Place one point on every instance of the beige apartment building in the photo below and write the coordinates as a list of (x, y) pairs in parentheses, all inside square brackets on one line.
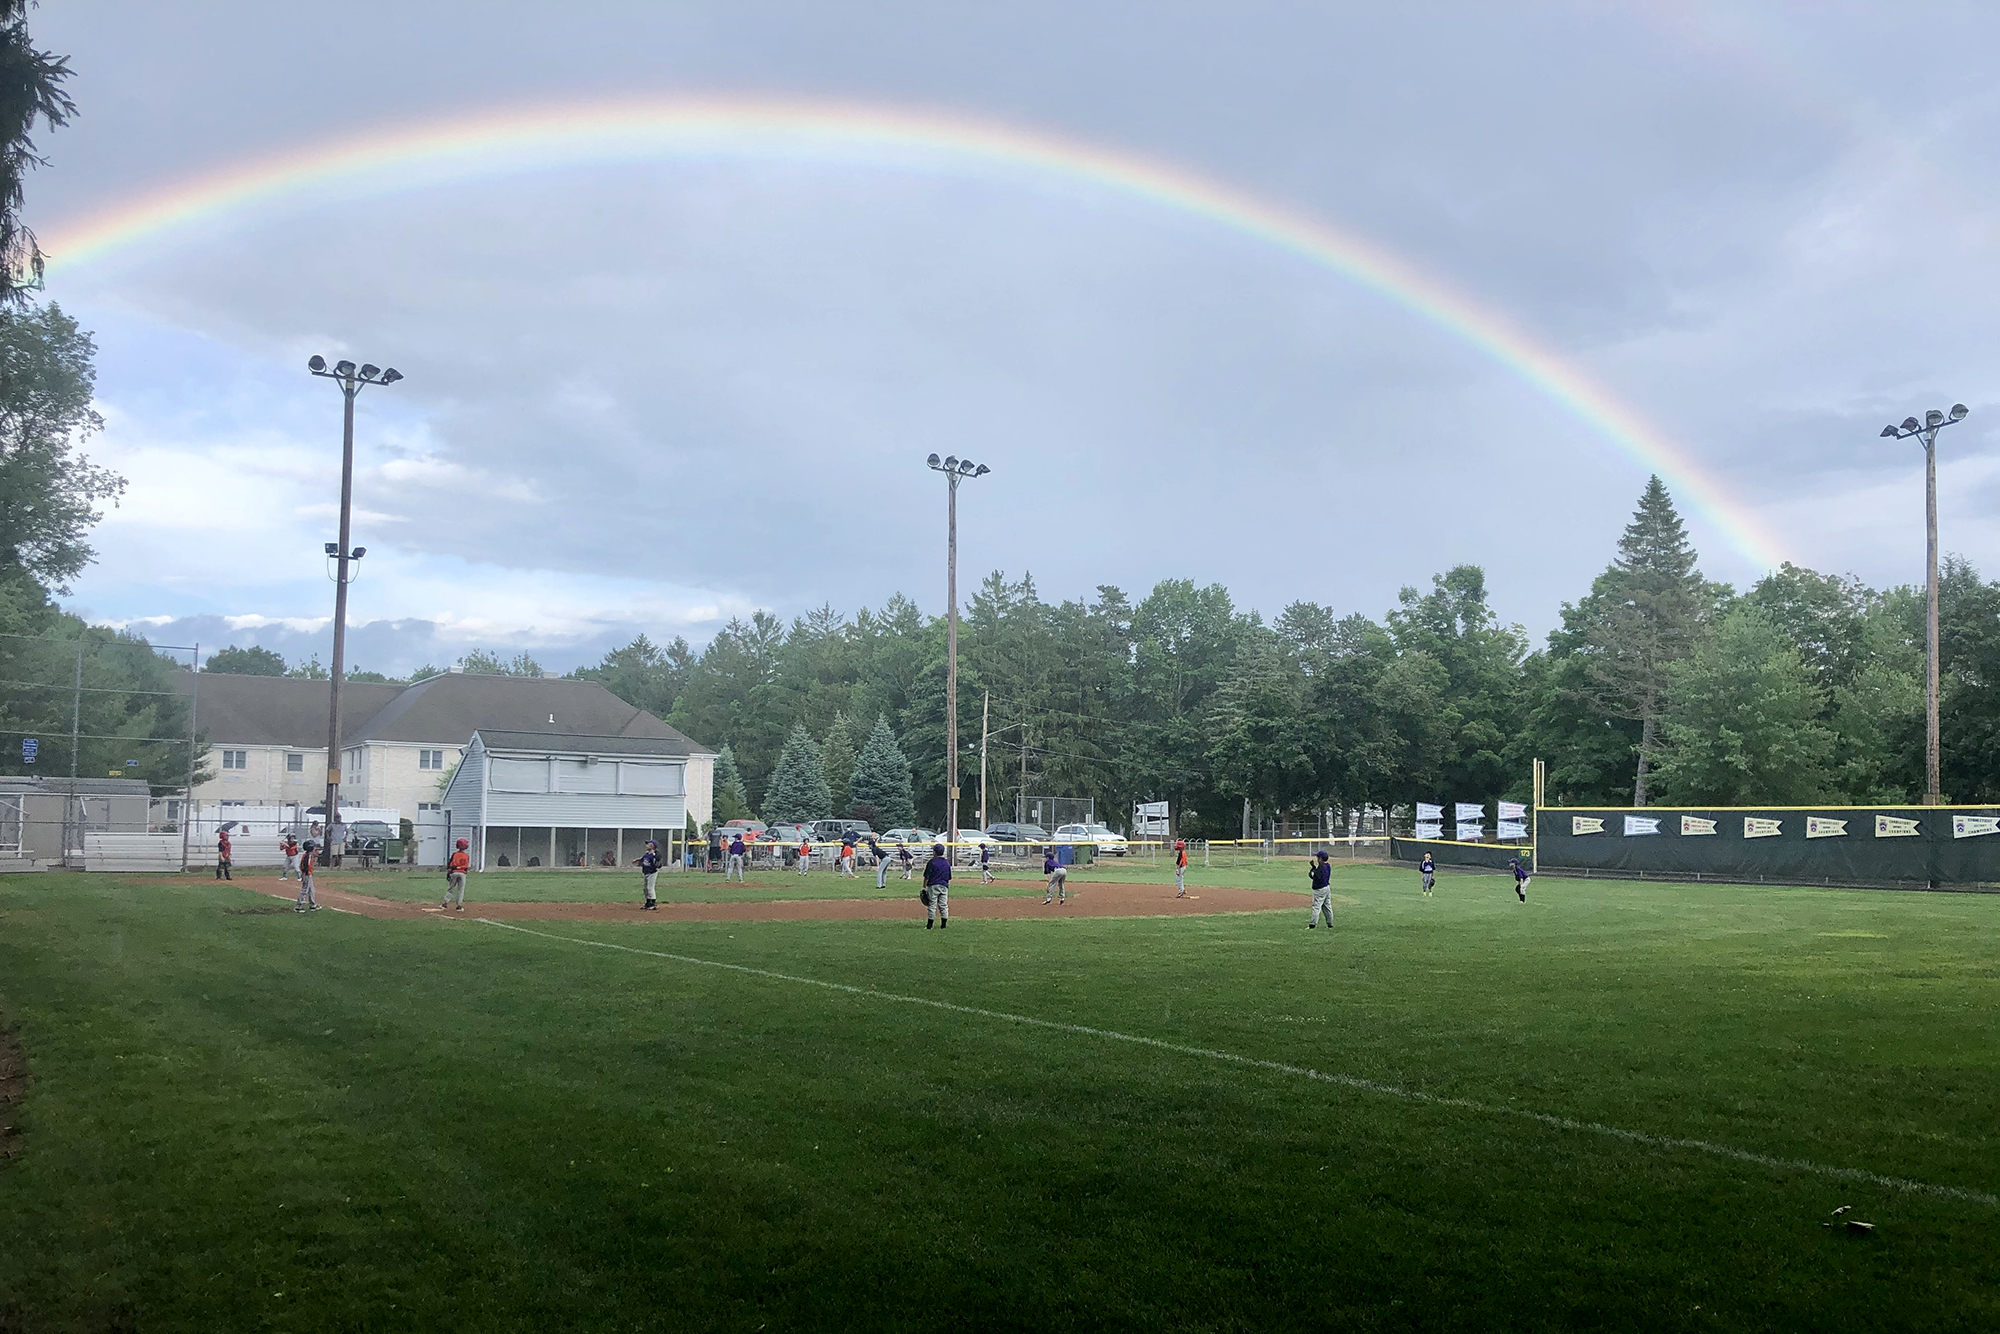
[(401, 744)]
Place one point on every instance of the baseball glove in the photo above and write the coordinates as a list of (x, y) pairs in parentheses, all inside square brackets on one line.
[(924, 896)]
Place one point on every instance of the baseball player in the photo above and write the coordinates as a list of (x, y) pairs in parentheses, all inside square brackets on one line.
[(309, 854), (1519, 865), (222, 855), (290, 847), (805, 855), (903, 852), (847, 855), (648, 863), (735, 871), (1322, 879), (1058, 875), (881, 863), (937, 888), (1429, 868), (985, 863), (454, 874), (1180, 868)]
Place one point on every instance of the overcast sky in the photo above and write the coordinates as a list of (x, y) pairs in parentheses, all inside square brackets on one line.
[(653, 393)]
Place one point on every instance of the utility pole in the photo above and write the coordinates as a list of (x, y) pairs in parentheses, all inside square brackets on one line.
[(954, 469), (76, 712), (1926, 434), (985, 731), (350, 379)]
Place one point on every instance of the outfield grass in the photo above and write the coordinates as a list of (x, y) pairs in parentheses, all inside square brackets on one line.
[(240, 1118)]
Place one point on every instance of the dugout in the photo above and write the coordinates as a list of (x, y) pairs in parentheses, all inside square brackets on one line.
[(541, 799), (1906, 846)]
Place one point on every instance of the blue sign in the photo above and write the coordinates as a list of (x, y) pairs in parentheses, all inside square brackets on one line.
[(29, 746), (131, 764)]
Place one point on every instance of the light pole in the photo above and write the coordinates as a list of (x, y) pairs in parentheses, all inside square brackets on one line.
[(350, 378), (954, 470), (1926, 433)]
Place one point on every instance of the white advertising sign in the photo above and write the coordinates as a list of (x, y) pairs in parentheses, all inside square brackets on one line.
[(1641, 824), (1430, 831), (1895, 826), (1586, 824), (1756, 828), (1818, 826), (1470, 812), (1694, 824), (1512, 829), (1426, 811), (1973, 826), (1471, 833), (1513, 810)]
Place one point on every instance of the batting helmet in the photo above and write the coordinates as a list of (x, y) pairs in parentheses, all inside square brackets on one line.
[(464, 843)]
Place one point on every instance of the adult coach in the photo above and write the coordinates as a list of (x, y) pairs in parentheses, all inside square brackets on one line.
[(1519, 866), (1429, 867), (1180, 868), (937, 888), (1322, 881), (648, 863), (454, 874)]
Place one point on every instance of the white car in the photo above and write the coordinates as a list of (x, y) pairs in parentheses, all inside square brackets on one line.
[(973, 838), (1108, 843), (910, 836)]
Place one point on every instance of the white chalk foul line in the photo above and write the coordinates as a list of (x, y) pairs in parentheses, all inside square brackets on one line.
[(1304, 1072)]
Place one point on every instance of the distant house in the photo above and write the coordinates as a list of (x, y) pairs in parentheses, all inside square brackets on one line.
[(399, 744), (545, 798)]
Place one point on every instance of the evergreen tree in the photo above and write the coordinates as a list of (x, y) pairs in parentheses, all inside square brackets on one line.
[(1645, 613), (1259, 734), (837, 759), (797, 791), (643, 674), (879, 787), (731, 801), (1742, 726)]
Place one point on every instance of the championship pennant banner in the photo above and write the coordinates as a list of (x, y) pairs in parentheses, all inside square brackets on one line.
[(1429, 814)]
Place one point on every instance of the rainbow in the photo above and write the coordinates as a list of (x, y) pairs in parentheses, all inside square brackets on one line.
[(492, 144)]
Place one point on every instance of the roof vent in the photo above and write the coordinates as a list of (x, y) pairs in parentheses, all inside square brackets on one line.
[(455, 670), (552, 717)]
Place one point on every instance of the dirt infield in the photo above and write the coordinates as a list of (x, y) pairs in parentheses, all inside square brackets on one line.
[(1091, 901)]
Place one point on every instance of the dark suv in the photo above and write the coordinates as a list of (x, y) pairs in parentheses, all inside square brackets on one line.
[(832, 831), (1018, 833)]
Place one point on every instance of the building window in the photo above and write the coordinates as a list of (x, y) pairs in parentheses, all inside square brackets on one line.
[(430, 805), (430, 759), (236, 759), (295, 764)]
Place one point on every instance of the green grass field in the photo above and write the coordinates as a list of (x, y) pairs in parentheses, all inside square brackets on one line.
[(237, 1117)]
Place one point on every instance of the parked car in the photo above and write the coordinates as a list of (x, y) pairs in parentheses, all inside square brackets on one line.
[(1018, 833), (833, 831), (1108, 843), (752, 830), (366, 837), (910, 836), (788, 834), (972, 838)]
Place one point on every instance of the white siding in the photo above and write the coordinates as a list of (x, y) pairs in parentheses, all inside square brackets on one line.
[(585, 810), (519, 776)]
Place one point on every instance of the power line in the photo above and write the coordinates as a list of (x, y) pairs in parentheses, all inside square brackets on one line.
[(100, 690)]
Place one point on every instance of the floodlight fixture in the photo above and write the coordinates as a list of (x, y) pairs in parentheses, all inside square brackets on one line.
[(1925, 433), (316, 363), (369, 372), (333, 548), (344, 367), (981, 470), (951, 463), (391, 375), (359, 552), (932, 460)]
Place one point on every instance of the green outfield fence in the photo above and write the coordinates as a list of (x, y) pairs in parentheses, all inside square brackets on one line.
[(1448, 852), (1902, 846)]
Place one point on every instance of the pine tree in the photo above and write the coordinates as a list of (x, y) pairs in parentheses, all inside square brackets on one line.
[(731, 801), (879, 788), (1647, 612), (837, 758), (797, 792)]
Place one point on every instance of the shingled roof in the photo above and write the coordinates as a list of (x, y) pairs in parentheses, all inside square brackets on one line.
[(441, 711)]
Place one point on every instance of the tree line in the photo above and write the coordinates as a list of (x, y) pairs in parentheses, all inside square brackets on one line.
[(1659, 686)]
